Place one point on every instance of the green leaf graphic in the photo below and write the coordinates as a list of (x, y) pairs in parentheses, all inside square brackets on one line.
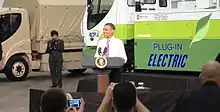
[(202, 29)]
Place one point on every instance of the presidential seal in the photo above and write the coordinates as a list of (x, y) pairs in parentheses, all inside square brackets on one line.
[(101, 62)]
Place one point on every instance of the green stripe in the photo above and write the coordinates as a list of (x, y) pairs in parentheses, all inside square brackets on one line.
[(174, 29), (123, 31)]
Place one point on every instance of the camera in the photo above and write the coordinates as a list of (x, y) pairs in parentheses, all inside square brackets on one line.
[(74, 103)]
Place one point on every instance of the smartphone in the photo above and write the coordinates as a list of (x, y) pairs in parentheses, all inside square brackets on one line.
[(74, 103)]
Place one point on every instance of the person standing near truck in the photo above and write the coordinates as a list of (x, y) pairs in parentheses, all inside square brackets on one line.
[(114, 48), (55, 47)]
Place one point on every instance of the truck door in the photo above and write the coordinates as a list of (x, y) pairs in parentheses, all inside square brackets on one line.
[(148, 16), (99, 13)]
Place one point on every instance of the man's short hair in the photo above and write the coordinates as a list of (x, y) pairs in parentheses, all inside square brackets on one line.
[(54, 32), (124, 96), (53, 100), (111, 25), (210, 72)]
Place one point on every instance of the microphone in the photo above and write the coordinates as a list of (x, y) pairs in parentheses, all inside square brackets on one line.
[(105, 50), (100, 51)]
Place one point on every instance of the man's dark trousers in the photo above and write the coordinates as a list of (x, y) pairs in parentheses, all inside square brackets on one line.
[(1, 51), (55, 72), (56, 61)]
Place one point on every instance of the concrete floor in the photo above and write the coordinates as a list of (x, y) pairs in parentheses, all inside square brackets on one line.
[(14, 96)]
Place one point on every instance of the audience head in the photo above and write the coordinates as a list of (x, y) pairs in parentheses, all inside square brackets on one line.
[(210, 72), (54, 100), (108, 30), (124, 96)]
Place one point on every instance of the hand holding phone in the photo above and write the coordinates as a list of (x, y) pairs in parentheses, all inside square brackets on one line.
[(74, 103)]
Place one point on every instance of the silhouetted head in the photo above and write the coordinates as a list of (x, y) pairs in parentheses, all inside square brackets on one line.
[(54, 100), (124, 97), (210, 72)]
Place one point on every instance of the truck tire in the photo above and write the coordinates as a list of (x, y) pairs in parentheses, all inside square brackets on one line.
[(16, 69), (78, 71)]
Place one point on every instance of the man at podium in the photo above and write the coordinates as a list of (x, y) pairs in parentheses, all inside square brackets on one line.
[(111, 46)]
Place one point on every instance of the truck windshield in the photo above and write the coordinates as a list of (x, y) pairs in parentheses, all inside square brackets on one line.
[(9, 24), (97, 10)]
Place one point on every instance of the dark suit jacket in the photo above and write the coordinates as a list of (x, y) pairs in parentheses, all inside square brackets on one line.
[(1, 51), (205, 99), (55, 54)]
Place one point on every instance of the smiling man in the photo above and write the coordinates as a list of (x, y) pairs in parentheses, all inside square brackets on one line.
[(114, 48)]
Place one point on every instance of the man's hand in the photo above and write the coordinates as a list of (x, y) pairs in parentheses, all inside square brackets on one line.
[(80, 109), (109, 93), (132, 82), (106, 102)]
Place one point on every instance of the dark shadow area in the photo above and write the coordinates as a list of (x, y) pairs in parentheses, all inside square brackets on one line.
[(169, 73), (155, 82), (163, 75)]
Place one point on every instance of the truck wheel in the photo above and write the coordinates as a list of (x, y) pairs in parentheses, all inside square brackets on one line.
[(77, 70), (16, 69)]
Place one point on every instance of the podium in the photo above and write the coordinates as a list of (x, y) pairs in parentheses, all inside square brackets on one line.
[(102, 67)]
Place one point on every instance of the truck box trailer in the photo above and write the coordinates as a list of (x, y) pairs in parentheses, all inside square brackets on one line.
[(25, 31)]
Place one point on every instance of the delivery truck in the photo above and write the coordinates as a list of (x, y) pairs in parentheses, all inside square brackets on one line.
[(170, 35), (25, 30)]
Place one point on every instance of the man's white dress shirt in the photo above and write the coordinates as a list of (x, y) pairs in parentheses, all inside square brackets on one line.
[(116, 48)]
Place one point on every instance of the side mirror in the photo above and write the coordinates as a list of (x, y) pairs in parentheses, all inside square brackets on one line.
[(137, 6), (90, 9)]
